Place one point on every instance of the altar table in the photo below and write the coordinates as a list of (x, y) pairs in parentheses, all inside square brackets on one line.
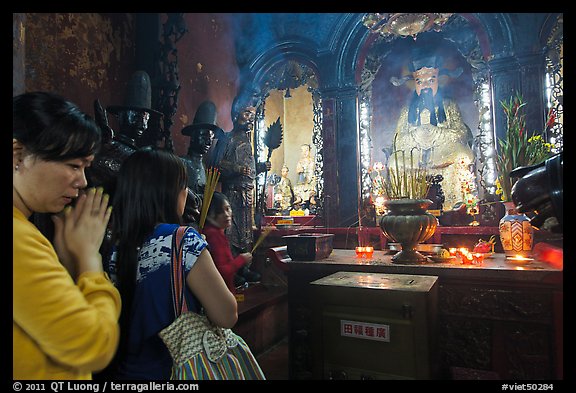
[(500, 317)]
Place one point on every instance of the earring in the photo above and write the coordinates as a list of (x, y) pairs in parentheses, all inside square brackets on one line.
[(17, 166)]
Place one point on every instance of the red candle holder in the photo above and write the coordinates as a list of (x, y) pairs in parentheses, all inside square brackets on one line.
[(478, 258), (467, 258), (369, 251), (364, 252)]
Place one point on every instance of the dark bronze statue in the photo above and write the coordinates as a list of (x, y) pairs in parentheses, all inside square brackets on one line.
[(201, 133), (238, 171), (133, 118)]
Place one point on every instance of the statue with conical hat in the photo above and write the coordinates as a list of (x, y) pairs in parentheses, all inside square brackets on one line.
[(201, 133), (133, 120)]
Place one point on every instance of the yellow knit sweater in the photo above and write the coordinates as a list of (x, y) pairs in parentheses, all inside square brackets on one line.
[(61, 329)]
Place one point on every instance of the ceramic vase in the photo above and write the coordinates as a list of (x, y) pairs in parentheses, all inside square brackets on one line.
[(516, 232), (407, 222)]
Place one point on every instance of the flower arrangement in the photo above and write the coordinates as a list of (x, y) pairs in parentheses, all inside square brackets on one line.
[(518, 149)]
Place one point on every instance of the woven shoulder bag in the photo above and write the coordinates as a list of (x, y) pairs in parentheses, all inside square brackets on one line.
[(200, 349)]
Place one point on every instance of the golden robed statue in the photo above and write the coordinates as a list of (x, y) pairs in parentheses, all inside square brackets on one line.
[(431, 127)]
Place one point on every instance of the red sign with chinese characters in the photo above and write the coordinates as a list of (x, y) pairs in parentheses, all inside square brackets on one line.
[(365, 330)]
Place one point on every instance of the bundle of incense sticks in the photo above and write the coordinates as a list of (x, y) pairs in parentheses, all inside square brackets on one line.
[(261, 238), (212, 176)]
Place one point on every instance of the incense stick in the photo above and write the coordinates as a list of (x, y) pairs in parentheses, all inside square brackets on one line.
[(261, 238), (212, 177)]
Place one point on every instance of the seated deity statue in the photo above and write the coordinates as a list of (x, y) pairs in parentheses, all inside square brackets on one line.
[(306, 182), (285, 190), (431, 133)]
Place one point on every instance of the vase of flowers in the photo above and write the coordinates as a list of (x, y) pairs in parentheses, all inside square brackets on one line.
[(407, 221), (517, 149)]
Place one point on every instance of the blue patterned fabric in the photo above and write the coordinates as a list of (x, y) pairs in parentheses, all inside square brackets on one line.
[(147, 356)]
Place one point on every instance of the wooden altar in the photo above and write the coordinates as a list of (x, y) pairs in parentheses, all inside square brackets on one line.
[(350, 237), (499, 318)]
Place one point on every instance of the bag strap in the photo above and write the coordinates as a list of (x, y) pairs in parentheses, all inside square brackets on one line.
[(177, 279)]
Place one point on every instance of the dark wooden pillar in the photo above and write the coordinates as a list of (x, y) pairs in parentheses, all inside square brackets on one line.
[(525, 74), (505, 82), (330, 163), (533, 74), (340, 132)]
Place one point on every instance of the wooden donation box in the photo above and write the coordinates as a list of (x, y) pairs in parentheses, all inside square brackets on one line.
[(374, 326)]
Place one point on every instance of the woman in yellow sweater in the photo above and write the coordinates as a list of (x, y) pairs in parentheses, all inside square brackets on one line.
[(65, 309)]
